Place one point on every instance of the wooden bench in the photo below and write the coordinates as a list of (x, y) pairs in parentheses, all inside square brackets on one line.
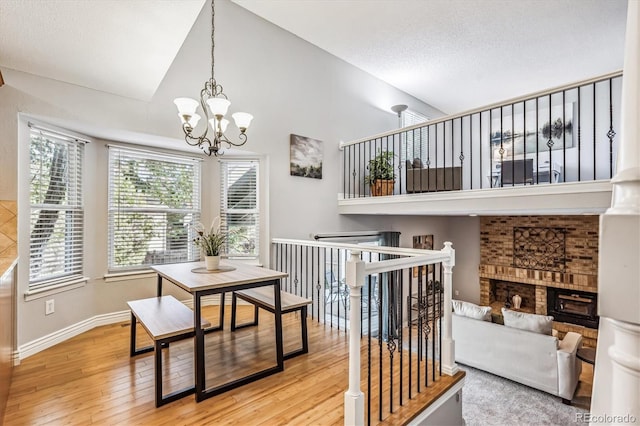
[(262, 297), (166, 320)]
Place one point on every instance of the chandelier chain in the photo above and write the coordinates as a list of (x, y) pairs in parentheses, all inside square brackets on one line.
[(213, 43)]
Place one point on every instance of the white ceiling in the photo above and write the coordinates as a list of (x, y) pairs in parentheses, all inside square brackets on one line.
[(461, 54), (121, 47), (452, 54)]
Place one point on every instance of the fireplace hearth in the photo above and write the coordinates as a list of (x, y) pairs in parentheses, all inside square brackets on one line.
[(572, 306)]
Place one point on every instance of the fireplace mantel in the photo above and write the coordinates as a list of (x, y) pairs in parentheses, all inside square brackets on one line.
[(571, 281)]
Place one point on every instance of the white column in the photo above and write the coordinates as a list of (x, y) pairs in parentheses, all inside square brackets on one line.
[(616, 384), (354, 397), (448, 360), (625, 355)]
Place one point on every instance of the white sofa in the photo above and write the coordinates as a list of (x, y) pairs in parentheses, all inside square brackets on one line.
[(533, 359)]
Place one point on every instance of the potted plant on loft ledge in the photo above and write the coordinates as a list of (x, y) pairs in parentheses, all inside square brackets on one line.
[(381, 178), (210, 243)]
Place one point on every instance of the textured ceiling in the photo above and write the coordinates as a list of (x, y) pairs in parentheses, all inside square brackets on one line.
[(453, 54), (120, 47), (461, 54)]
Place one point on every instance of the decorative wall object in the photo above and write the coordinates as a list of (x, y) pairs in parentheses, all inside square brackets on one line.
[(423, 242), (543, 131), (539, 248), (306, 157)]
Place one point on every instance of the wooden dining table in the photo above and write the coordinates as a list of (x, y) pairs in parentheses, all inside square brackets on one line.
[(193, 278)]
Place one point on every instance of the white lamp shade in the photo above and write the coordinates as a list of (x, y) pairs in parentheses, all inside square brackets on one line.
[(186, 106), (223, 124), (218, 106), (193, 121), (242, 119)]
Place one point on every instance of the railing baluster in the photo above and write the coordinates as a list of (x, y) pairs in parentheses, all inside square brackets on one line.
[(611, 133), (594, 131), (480, 154), (564, 141), (579, 132), (537, 143), (513, 144)]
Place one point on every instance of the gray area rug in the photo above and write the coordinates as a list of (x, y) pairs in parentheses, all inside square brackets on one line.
[(491, 400)]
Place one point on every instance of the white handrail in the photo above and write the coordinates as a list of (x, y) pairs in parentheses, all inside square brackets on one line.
[(425, 257)]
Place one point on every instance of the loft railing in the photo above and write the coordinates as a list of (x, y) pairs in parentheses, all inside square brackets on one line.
[(391, 300), (566, 134)]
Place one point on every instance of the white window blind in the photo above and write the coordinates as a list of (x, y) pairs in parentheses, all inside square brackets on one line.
[(239, 207), (154, 201), (416, 142), (57, 208)]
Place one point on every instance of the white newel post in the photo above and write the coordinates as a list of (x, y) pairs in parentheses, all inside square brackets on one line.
[(353, 397), (616, 383), (448, 345)]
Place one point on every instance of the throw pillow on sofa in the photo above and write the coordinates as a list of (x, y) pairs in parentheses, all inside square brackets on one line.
[(471, 310), (531, 322)]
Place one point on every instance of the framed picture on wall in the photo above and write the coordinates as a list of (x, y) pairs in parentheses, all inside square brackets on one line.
[(423, 242), (306, 157), (542, 131)]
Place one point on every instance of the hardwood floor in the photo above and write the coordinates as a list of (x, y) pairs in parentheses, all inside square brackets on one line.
[(91, 379)]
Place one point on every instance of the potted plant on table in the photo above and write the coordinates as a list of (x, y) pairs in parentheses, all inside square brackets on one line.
[(381, 177), (210, 243)]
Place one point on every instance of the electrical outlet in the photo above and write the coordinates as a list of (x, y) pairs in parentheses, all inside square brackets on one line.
[(49, 307), (457, 293)]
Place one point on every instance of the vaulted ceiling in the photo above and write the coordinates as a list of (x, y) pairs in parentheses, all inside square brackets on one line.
[(452, 54), (120, 47)]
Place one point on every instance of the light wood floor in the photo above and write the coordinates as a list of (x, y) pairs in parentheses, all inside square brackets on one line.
[(91, 379)]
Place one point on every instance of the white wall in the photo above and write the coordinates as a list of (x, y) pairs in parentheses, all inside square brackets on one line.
[(289, 85), (462, 231)]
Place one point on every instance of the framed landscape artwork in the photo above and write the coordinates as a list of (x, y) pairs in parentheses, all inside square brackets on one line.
[(539, 135), (423, 242), (306, 157)]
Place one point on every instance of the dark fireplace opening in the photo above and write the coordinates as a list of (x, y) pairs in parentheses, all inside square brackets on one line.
[(573, 306)]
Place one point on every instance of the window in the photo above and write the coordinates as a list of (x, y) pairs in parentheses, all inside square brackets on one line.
[(416, 140), (239, 211), (154, 199), (57, 209)]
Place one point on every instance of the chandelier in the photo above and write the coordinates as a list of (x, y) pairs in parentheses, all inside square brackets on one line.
[(212, 96)]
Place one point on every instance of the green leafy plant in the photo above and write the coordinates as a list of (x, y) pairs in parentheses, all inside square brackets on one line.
[(380, 167), (212, 241)]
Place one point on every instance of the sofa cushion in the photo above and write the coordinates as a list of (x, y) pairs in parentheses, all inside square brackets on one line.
[(417, 163), (471, 310), (531, 322)]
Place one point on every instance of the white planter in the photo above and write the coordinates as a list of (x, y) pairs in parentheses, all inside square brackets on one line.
[(212, 262)]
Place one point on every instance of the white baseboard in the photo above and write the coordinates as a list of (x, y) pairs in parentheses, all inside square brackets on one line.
[(15, 358), (52, 339)]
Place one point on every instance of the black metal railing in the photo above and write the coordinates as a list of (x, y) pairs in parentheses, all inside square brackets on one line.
[(566, 134), (400, 315)]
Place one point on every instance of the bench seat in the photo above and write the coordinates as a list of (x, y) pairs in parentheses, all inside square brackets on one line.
[(166, 320), (262, 297)]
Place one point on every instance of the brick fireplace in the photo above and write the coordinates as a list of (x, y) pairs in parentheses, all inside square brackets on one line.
[(526, 255)]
